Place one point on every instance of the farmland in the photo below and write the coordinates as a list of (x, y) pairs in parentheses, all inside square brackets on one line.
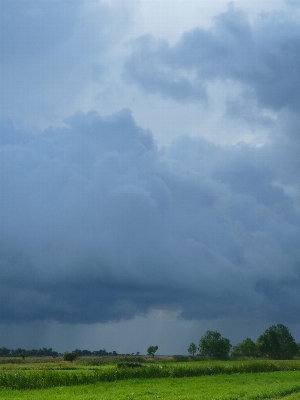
[(146, 378)]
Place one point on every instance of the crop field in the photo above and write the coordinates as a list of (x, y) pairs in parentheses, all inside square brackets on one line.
[(89, 379)]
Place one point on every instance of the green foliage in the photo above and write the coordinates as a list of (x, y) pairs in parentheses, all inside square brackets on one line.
[(36, 378), (247, 348), (152, 350), (277, 343), (192, 349), (237, 386), (4, 352), (213, 345), (70, 356), (298, 350)]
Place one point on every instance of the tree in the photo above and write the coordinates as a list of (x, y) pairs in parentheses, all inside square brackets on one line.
[(212, 344), (152, 350), (192, 349), (4, 352), (277, 343), (246, 348)]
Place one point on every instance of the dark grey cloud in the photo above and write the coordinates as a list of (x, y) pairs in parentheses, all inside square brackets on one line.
[(98, 224), (262, 56)]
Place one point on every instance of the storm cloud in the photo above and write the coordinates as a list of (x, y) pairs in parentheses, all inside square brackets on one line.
[(100, 225)]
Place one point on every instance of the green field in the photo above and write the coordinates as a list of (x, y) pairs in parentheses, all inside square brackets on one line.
[(211, 380)]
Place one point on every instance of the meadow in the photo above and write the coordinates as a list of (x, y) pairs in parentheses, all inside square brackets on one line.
[(144, 378)]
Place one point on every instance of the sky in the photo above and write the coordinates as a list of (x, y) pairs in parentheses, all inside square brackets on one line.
[(149, 172)]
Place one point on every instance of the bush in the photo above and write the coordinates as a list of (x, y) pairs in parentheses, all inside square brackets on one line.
[(70, 356)]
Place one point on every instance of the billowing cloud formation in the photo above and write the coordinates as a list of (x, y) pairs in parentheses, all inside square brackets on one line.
[(262, 56), (97, 224)]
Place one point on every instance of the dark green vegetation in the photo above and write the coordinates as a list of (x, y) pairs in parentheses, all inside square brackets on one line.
[(275, 343), (247, 348), (192, 349), (213, 345), (152, 350), (70, 356), (44, 352)]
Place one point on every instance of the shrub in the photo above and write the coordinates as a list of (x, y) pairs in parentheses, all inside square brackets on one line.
[(70, 356)]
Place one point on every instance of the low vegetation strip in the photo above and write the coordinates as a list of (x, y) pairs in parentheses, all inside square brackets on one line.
[(51, 378), (248, 386)]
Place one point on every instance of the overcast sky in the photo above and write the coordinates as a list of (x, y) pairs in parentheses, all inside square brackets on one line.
[(150, 168)]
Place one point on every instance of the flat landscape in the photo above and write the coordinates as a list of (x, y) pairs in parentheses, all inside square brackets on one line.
[(145, 378)]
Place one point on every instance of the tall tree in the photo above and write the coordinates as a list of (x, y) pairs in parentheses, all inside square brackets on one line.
[(277, 343), (212, 344)]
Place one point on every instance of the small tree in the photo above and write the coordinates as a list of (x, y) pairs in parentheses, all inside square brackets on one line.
[(152, 350), (212, 344), (246, 348), (277, 343), (192, 349)]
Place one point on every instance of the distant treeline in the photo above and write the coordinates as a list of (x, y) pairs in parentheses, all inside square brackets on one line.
[(44, 352), (4, 352)]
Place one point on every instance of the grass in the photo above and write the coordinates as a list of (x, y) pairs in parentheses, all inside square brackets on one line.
[(37, 376), (89, 379), (249, 386)]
